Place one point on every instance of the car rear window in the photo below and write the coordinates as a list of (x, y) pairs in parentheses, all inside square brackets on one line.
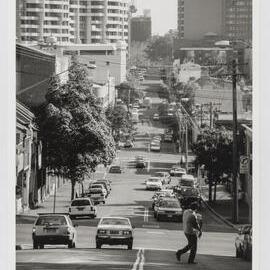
[(96, 186), (51, 220), (113, 221), (188, 183), (170, 204), (80, 202), (153, 180), (95, 191)]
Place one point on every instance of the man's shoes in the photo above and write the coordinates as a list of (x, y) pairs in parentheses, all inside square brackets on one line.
[(192, 263), (178, 255)]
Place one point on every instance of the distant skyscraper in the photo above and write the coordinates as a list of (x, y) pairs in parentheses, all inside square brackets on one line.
[(198, 17), (72, 21), (230, 19), (237, 19), (141, 27)]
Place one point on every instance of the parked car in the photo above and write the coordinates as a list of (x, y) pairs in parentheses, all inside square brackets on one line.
[(168, 138), (140, 162), (53, 229), (115, 169), (106, 181), (155, 146), (169, 208), (156, 117), (187, 181), (96, 195), (103, 184), (80, 207), (164, 176), (243, 242), (94, 185), (128, 144), (176, 170), (153, 183), (114, 231)]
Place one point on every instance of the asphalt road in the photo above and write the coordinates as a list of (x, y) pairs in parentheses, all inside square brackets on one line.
[(154, 242)]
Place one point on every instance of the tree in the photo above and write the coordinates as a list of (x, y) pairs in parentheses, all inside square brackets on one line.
[(74, 128), (187, 91), (127, 92), (213, 149), (159, 48), (119, 121)]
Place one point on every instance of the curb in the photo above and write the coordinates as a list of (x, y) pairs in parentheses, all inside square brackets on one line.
[(224, 220)]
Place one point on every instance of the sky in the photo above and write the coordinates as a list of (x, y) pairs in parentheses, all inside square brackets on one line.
[(163, 13)]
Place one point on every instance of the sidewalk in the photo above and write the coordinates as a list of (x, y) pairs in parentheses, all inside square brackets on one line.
[(62, 199), (223, 206)]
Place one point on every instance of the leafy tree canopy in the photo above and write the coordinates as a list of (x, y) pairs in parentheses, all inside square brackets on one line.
[(214, 149), (74, 127), (159, 48)]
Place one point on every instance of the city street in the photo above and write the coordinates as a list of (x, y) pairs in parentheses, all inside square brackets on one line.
[(155, 242)]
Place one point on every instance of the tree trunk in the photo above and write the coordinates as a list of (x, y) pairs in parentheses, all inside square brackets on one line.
[(215, 191), (210, 187), (73, 189)]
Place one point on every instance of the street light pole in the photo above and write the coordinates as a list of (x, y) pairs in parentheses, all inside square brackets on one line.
[(235, 159)]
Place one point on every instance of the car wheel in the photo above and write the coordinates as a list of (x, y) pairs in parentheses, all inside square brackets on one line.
[(70, 244), (74, 245), (35, 245), (98, 245), (130, 245), (103, 202)]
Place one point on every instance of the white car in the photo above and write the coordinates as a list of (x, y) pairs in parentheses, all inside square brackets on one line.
[(114, 231), (53, 229), (101, 186), (156, 116), (82, 207), (155, 146), (168, 138), (188, 180), (177, 171), (153, 183), (96, 195), (164, 177)]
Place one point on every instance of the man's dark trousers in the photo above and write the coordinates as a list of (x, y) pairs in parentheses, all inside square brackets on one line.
[(192, 246)]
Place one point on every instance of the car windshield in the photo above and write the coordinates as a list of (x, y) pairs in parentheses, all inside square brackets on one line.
[(80, 203), (169, 204), (96, 186), (153, 180), (159, 174), (187, 183), (95, 191), (51, 220), (114, 221)]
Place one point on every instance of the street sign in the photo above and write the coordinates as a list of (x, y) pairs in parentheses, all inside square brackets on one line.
[(243, 164)]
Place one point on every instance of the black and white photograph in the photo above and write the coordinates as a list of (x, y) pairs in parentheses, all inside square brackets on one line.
[(133, 135)]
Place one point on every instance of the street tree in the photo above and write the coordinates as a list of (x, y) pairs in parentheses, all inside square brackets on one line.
[(119, 121), (128, 92), (159, 48), (213, 149), (74, 128)]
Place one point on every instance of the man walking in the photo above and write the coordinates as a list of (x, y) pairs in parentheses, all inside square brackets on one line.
[(191, 229)]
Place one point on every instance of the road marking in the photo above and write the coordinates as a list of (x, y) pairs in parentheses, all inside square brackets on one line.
[(134, 267), (142, 260), (145, 215)]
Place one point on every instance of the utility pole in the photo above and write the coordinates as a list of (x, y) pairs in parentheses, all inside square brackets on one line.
[(186, 146), (201, 114), (211, 115), (235, 159)]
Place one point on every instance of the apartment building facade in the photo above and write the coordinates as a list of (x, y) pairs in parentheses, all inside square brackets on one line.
[(72, 21), (141, 28), (229, 19)]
